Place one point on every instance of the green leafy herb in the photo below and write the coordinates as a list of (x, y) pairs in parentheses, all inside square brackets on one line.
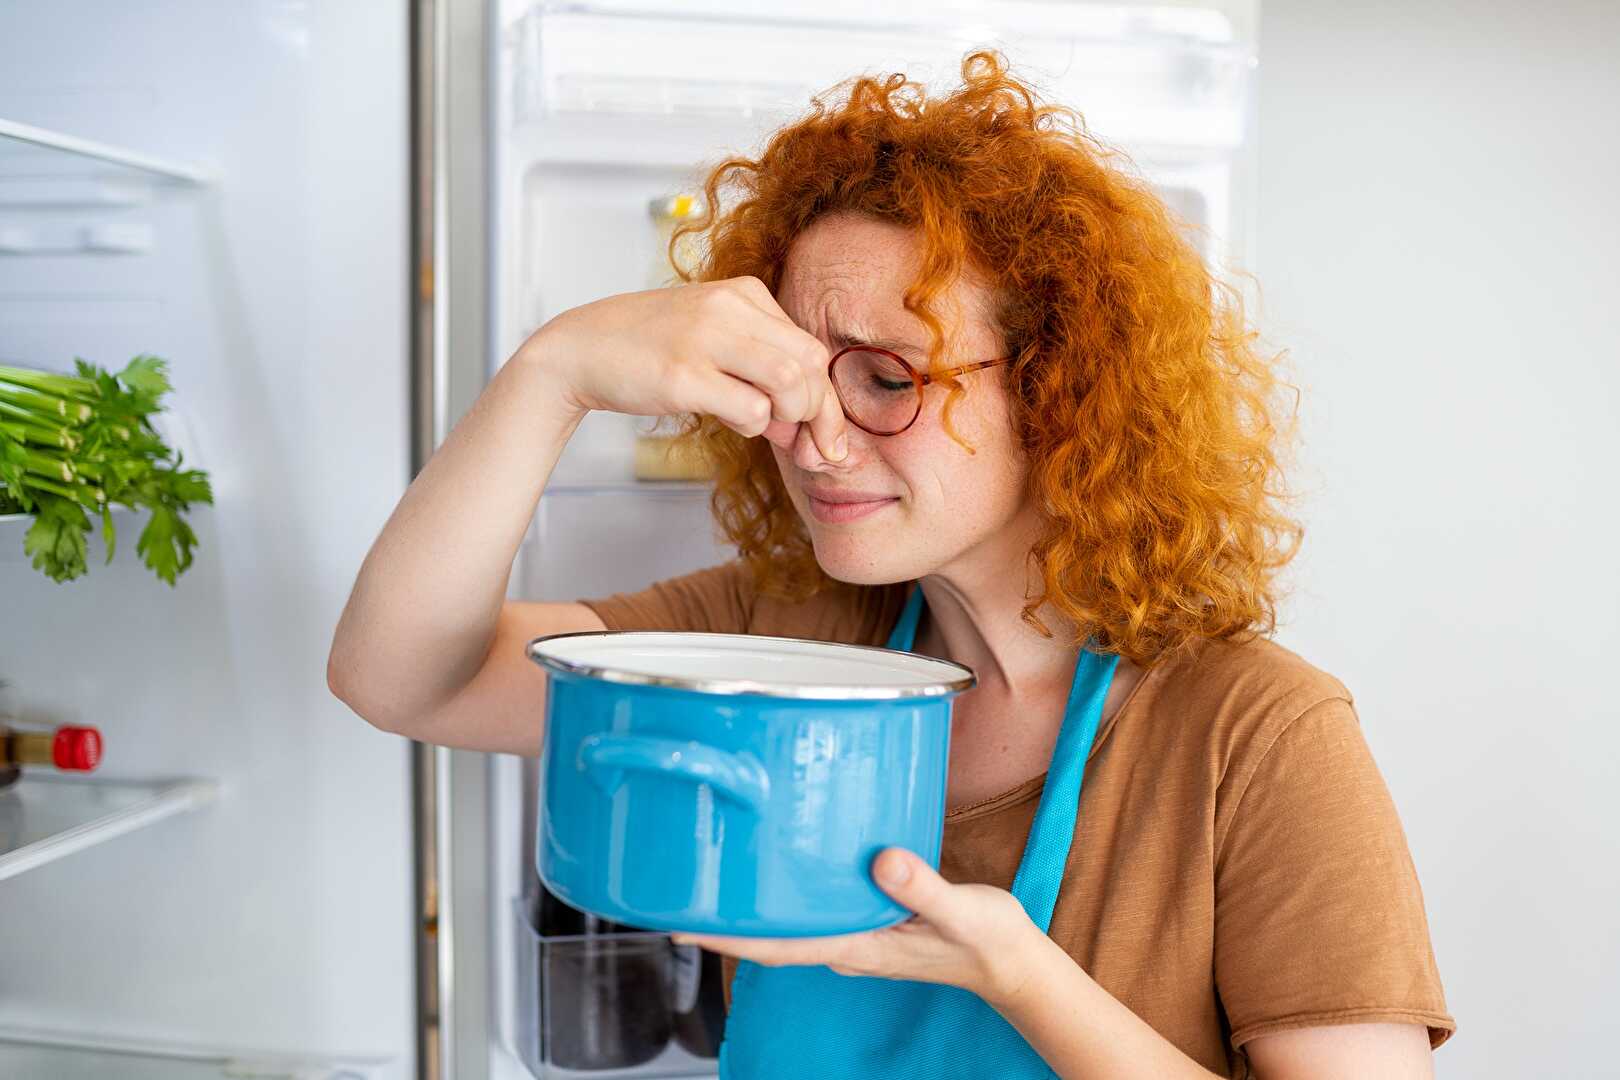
[(84, 442)]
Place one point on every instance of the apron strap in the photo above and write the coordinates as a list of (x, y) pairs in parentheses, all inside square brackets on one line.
[(1046, 854), (904, 635)]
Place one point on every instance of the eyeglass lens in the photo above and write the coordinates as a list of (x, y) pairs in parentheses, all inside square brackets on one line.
[(878, 392)]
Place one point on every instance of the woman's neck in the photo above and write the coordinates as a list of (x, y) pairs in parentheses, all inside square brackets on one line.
[(988, 634), (973, 614), (1003, 730)]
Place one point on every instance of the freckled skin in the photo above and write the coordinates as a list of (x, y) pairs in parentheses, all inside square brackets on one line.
[(963, 525), (960, 515)]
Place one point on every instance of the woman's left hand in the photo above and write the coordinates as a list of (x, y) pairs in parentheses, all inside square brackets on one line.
[(970, 936)]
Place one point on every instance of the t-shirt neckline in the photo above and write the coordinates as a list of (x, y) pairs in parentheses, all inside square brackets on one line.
[(1027, 789)]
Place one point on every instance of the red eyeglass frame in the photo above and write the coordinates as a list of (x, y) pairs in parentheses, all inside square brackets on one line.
[(919, 380)]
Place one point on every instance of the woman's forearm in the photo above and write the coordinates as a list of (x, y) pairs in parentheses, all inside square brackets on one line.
[(1081, 1030), (427, 599)]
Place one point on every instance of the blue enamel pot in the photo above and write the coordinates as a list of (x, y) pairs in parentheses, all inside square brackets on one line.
[(738, 784)]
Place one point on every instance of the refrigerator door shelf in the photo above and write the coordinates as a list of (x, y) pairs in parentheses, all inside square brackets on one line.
[(72, 192), (1160, 75), (598, 1006), (121, 238), (611, 450), (589, 542)]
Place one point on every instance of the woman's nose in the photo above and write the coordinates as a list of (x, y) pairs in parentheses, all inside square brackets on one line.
[(807, 455)]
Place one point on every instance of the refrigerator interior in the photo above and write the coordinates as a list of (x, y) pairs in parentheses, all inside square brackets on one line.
[(249, 906), (600, 108)]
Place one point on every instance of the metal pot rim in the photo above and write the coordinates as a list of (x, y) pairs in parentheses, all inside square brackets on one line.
[(828, 692)]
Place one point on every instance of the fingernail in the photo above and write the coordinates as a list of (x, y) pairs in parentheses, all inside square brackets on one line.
[(894, 870), (841, 448)]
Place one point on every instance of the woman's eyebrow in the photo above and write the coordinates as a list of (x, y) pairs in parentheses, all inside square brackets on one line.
[(843, 339)]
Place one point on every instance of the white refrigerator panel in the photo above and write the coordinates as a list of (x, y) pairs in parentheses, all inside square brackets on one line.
[(276, 919)]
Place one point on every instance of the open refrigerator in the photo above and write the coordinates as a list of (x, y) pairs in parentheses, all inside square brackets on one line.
[(604, 118), (337, 221)]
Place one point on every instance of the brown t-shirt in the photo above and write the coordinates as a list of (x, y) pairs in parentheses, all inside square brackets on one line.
[(1238, 867)]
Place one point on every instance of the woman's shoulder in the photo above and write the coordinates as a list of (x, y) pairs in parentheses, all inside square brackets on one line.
[(1257, 668), (1220, 713), (1239, 692)]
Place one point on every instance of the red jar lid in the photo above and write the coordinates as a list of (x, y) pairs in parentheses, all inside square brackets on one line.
[(76, 748)]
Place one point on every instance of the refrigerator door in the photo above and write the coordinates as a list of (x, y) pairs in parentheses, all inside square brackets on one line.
[(253, 239)]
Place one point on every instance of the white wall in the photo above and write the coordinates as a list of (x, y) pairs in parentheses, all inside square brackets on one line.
[(1438, 239), (279, 917)]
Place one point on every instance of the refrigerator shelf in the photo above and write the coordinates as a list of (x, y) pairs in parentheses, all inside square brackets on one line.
[(162, 168), (43, 818), (610, 487), (117, 508), (601, 457), (32, 1061), (1144, 75), (628, 140), (38, 1056), (605, 537)]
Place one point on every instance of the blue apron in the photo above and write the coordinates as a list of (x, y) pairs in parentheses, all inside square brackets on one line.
[(788, 1023)]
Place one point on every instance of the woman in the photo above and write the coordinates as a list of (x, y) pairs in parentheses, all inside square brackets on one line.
[(1168, 852)]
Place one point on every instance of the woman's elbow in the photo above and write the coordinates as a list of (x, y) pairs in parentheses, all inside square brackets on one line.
[(343, 680)]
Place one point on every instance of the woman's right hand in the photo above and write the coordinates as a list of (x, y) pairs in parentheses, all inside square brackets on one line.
[(722, 348)]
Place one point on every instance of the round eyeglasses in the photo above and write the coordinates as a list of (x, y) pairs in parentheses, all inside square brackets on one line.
[(880, 392)]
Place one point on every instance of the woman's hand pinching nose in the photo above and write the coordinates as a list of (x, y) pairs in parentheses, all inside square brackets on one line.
[(782, 434)]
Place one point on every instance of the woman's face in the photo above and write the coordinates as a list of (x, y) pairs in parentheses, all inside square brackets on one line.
[(947, 511)]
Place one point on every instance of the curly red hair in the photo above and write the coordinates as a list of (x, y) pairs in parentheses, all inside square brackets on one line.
[(1146, 412)]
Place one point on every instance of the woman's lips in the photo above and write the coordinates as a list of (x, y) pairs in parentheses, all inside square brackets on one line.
[(836, 513)]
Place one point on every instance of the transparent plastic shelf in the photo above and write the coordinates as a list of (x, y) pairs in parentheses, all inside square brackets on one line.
[(602, 1006), (53, 1056), (33, 1061), (43, 818), (585, 469), (60, 143), (592, 541), (1142, 75), (118, 509), (644, 487), (601, 457)]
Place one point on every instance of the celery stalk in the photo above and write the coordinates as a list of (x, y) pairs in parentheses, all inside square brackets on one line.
[(44, 405), (65, 386)]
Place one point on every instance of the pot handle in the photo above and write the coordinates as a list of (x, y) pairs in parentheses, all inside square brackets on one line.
[(739, 777)]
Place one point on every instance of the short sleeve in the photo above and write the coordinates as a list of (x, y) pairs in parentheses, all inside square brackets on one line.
[(717, 600), (1318, 913)]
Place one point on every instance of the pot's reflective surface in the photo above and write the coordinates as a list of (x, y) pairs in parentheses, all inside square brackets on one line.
[(741, 813)]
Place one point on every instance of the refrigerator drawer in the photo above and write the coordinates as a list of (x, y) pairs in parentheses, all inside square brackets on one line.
[(606, 1006)]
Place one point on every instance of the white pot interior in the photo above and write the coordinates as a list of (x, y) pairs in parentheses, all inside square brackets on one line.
[(786, 663)]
